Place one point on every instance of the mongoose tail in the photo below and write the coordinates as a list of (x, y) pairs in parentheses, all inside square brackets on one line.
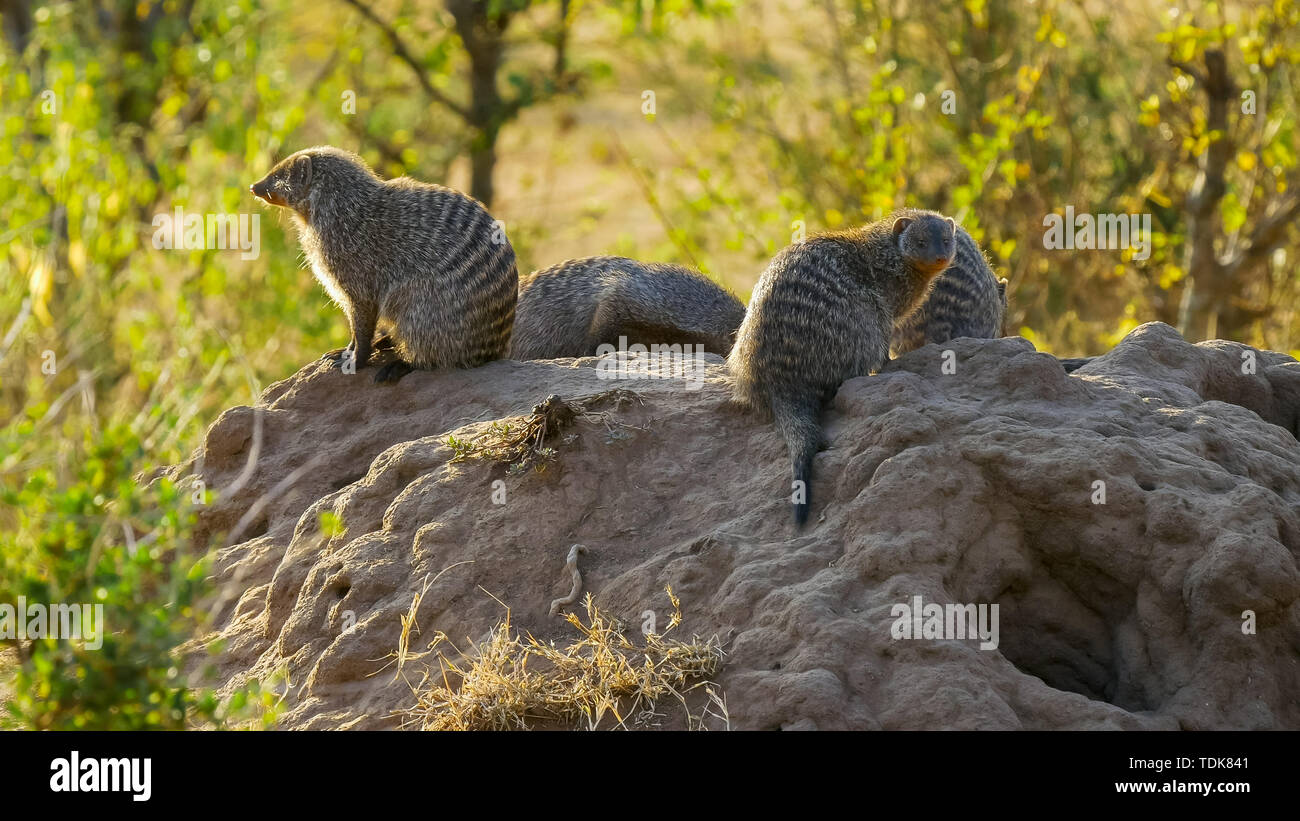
[(798, 422)]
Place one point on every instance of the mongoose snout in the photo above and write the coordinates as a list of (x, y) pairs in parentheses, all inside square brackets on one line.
[(934, 263), (262, 190)]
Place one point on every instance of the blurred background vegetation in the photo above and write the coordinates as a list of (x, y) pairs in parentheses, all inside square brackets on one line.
[(703, 132)]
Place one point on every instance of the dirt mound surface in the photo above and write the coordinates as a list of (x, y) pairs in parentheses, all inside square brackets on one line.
[(1137, 525)]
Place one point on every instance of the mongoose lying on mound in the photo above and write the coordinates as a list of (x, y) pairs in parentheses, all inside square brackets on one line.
[(426, 261), (967, 300), (823, 312), (572, 308)]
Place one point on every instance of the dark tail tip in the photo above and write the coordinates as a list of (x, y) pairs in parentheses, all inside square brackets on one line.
[(803, 474)]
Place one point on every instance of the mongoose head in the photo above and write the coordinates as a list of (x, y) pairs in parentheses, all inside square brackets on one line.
[(927, 242), (300, 178)]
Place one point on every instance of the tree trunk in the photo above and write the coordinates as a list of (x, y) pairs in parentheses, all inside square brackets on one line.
[(483, 162), (1210, 283), (483, 36)]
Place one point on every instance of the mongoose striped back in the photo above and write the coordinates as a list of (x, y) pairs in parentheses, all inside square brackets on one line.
[(572, 308)]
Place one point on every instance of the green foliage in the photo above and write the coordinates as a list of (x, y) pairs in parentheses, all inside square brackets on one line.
[(102, 539), (114, 353)]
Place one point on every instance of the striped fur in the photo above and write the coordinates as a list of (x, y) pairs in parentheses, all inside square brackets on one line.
[(822, 313), (426, 262), (966, 300), (572, 308)]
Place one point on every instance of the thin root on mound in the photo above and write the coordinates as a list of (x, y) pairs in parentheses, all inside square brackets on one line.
[(523, 444)]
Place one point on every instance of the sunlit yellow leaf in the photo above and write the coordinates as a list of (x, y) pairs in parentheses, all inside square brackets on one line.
[(77, 257), (41, 287)]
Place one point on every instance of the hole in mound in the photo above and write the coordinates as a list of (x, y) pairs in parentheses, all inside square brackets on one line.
[(342, 590), (1061, 626), (348, 480), (1145, 485), (256, 528)]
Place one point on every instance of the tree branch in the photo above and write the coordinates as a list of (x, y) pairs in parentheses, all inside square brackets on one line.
[(404, 54), (1269, 233)]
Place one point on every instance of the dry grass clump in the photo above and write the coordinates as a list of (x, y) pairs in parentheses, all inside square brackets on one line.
[(510, 683), (523, 443)]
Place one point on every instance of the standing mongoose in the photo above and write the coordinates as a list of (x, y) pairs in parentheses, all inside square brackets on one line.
[(572, 308), (966, 300), (427, 262), (822, 313)]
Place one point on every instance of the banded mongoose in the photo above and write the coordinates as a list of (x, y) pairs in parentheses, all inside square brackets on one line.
[(572, 308), (966, 300), (823, 312), (427, 262)]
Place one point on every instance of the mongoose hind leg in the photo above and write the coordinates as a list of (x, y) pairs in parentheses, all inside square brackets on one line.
[(393, 371)]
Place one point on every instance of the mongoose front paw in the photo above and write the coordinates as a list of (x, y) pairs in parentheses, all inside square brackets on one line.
[(346, 363), (344, 359), (393, 371)]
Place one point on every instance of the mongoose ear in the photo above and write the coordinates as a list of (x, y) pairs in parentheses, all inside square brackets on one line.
[(952, 223), (303, 169), (900, 225)]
